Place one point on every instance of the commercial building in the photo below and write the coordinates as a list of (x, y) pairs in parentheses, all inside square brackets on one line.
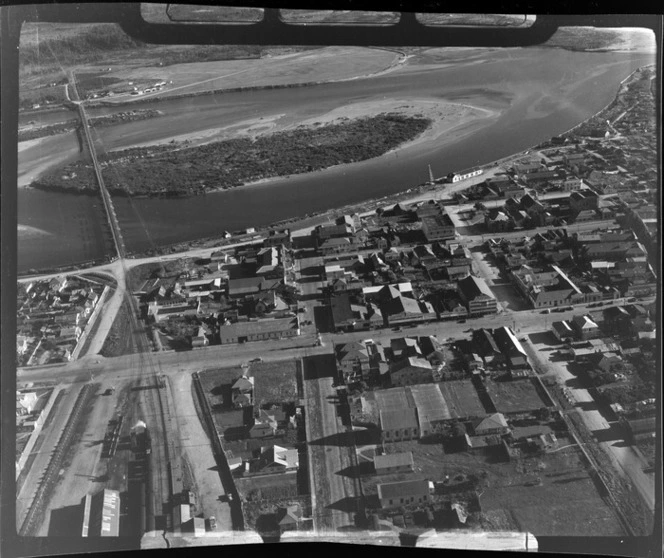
[(438, 227), (260, 330), (477, 296)]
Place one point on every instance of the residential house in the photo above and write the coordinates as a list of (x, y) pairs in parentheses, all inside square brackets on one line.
[(492, 424), (487, 348), (395, 494), (242, 392), (511, 347), (276, 459), (585, 328), (288, 518), (563, 331), (353, 361), (200, 339)]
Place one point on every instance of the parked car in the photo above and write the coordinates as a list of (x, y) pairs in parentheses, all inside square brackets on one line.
[(257, 359)]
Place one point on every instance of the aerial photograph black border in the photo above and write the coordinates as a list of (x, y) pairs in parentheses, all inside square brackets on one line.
[(11, 544)]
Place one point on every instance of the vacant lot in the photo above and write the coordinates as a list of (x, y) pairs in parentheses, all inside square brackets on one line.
[(267, 487), (565, 502), (462, 399), (276, 382), (515, 396)]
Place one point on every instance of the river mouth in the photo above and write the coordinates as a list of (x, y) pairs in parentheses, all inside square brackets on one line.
[(580, 83)]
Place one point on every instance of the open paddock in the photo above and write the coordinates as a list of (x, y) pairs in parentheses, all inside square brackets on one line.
[(276, 382)]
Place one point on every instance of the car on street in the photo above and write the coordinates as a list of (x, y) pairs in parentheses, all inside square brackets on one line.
[(461, 321), (546, 311), (257, 359)]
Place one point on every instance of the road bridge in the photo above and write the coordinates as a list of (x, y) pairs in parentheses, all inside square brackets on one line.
[(118, 241)]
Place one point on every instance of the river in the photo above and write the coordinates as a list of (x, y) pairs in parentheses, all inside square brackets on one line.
[(538, 93)]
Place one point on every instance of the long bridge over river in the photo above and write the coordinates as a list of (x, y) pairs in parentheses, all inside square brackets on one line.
[(118, 241)]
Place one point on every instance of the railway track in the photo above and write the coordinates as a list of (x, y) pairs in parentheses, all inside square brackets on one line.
[(36, 511)]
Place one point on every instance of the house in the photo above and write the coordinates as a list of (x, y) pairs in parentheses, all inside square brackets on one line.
[(487, 348), (496, 220), (511, 347), (411, 370), (563, 331), (492, 424), (25, 402), (399, 424), (395, 494), (261, 429), (276, 459), (585, 328), (353, 361), (404, 347), (394, 463), (242, 392), (477, 296), (582, 200), (606, 362), (288, 518), (200, 339)]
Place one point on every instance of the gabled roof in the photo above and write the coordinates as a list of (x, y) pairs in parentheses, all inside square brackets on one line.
[(472, 287), (243, 384), (584, 322), (280, 456), (497, 420), (412, 362), (290, 515)]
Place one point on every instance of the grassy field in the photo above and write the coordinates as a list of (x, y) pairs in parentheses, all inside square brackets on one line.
[(276, 382)]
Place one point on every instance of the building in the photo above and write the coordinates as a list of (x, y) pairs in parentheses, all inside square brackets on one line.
[(394, 463), (395, 494), (276, 459), (353, 361), (477, 296), (463, 175), (563, 331), (411, 370), (288, 518), (261, 330), (438, 227), (585, 328), (641, 429), (101, 514), (487, 348), (511, 347), (399, 424), (492, 424)]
